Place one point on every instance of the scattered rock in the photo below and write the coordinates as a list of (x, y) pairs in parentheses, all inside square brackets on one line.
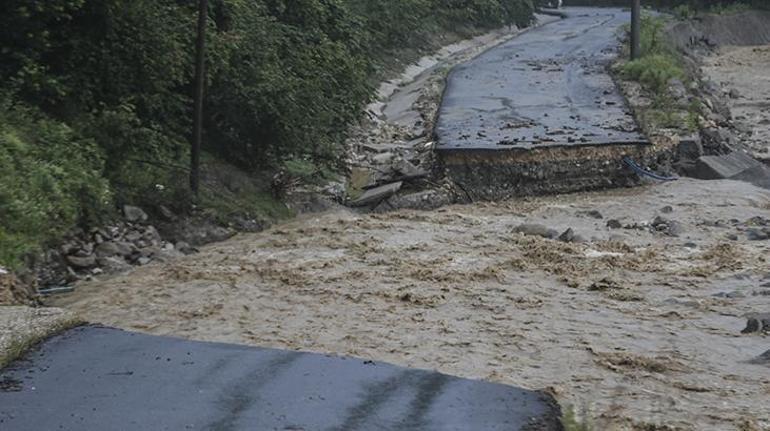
[(591, 214), (424, 200), (185, 248), (134, 214), (758, 234), (763, 359), (757, 323), (603, 284), (407, 171), (377, 194), (113, 265), (532, 229), (668, 209), (730, 295), (614, 224), (669, 227), (82, 262), (570, 236), (108, 248)]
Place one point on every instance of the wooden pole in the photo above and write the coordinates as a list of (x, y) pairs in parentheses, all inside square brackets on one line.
[(636, 13), (200, 73)]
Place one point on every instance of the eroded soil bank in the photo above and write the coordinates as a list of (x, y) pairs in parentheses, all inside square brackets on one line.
[(638, 319)]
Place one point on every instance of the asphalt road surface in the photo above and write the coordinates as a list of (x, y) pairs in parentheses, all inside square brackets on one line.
[(547, 87), (96, 378)]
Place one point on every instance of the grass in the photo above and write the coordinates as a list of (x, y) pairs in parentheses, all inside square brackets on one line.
[(661, 65)]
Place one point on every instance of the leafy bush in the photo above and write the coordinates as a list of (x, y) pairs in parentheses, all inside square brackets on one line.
[(51, 179), (654, 71), (659, 64)]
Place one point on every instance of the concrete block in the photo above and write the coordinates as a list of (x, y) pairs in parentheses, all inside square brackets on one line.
[(724, 167), (377, 194)]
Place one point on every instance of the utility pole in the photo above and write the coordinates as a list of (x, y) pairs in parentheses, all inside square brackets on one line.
[(200, 73), (636, 13)]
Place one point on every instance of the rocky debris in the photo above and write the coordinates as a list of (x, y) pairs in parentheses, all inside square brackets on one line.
[(569, 235), (763, 359), (423, 200), (14, 292), (105, 250), (757, 323), (533, 229), (377, 194), (84, 262), (730, 295), (666, 226), (185, 248), (134, 214), (590, 214), (614, 224), (758, 234)]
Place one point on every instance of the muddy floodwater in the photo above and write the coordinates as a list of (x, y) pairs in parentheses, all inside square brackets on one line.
[(638, 325)]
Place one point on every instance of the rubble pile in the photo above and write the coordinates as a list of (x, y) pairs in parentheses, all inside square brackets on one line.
[(105, 250)]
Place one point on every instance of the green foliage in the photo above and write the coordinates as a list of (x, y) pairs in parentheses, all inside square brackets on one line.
[(659, 64), (684, 12), (110, 81), (654, 71), (729, 8), (51, 179)]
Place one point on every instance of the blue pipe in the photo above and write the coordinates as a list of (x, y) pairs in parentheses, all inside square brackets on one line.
[(642, 172)]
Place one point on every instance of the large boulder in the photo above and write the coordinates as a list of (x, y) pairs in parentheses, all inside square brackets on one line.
[(134, 214), (81, 262)]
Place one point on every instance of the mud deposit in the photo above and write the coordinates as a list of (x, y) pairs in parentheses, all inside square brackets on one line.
[(744, 74), (640, 324)]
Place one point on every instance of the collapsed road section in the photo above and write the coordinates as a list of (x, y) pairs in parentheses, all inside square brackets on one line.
[(96, 378), (540, 113)]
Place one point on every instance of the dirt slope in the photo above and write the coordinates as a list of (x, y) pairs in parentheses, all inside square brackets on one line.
[(640, 324)]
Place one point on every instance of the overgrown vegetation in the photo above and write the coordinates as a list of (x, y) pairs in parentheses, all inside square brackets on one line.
[(96, 93), (657, 70), (51, 179)]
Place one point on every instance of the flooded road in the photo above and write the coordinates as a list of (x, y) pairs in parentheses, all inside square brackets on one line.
[(637, 318)]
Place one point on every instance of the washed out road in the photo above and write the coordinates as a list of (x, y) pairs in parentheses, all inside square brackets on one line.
[(549, 86), (96, 378)]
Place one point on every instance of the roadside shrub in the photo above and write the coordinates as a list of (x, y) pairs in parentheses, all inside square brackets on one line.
[(51, 179), (653, 71)]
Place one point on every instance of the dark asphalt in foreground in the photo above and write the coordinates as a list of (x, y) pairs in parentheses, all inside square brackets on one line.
[(95, 378), (546, 87)]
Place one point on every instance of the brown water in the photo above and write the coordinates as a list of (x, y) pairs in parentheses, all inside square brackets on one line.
[(629, 329)]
